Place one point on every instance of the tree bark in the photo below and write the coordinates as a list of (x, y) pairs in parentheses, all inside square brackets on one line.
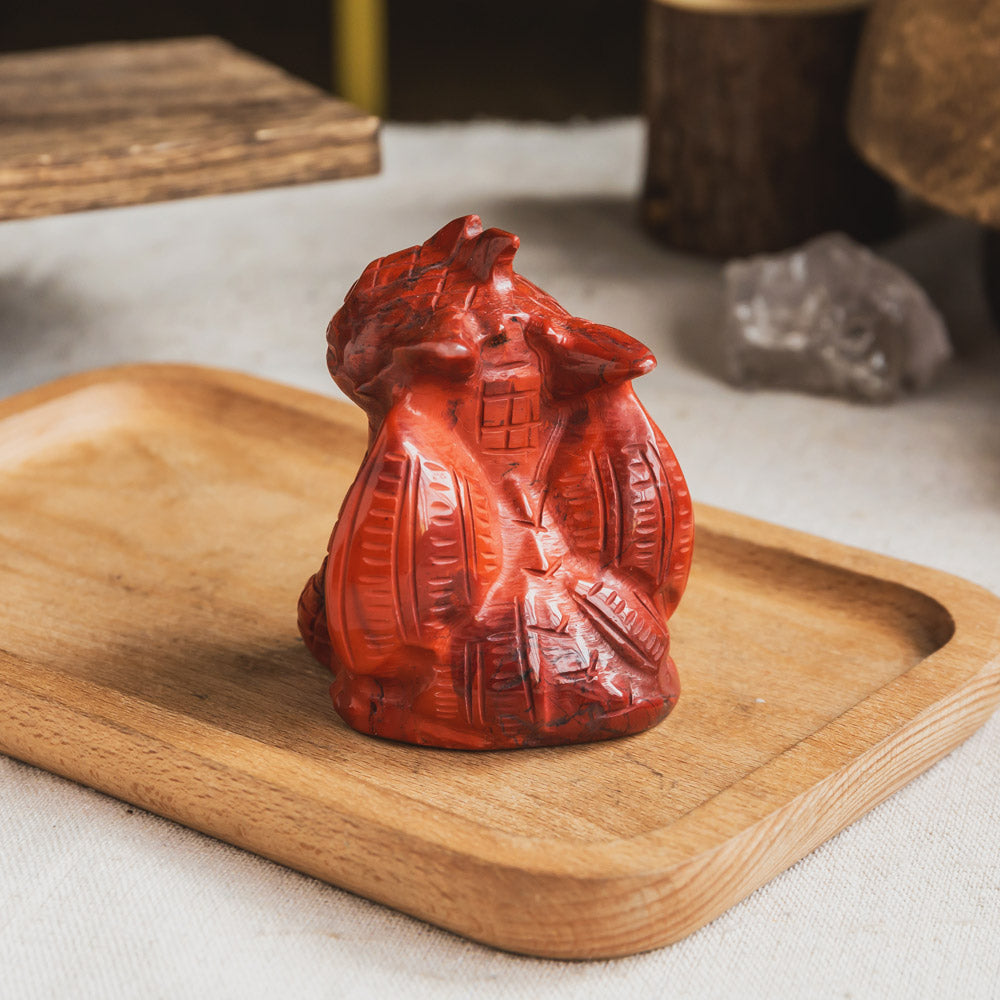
[(747, 140)]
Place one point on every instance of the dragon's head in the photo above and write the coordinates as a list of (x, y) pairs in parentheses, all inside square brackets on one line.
[(453, 309)]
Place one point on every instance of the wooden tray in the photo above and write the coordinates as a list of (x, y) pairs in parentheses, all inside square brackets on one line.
[(158, 523)]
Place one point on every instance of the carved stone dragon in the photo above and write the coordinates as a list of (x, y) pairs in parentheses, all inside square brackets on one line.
[(503, 566)]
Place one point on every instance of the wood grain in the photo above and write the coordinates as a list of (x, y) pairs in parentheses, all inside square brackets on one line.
[(158, 525), (125, 123)]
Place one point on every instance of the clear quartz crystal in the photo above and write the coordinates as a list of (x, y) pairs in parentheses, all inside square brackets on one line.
[(830, 316)]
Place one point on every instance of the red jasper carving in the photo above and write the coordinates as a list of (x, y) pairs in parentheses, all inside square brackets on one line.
[(504, 565)]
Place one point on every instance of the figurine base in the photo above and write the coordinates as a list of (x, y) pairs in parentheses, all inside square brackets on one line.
[(158, 523), (356, 709)]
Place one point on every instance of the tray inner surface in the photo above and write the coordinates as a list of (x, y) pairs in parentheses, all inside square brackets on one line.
[(155, 539)]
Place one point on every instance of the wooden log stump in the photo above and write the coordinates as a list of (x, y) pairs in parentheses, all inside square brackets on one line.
[(747, 141)]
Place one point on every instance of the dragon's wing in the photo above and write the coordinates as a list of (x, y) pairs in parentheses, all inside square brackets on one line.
[(413, 551), (622, 496)]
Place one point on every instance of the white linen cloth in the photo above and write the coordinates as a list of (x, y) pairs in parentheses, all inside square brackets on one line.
[(98, 899)]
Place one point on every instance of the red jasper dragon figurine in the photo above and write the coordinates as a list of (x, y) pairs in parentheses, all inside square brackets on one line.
[(519, 532)]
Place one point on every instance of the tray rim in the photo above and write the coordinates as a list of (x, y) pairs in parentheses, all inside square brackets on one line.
[(646, 862)]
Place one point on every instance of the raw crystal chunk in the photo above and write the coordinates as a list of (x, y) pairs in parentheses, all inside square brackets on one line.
[(830, 316)]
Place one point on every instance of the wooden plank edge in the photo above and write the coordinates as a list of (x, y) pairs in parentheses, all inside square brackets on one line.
[(266, 169)]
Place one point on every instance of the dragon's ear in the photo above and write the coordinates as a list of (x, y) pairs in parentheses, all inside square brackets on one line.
[(490, 257), (447, 359), (449, 238), (582, 356)]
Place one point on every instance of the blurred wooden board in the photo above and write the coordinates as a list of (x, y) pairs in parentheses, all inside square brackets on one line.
[(925, 105), (158, 524), (125, 123)]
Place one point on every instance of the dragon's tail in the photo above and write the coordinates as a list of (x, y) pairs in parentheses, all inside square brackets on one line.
[(312, 617)]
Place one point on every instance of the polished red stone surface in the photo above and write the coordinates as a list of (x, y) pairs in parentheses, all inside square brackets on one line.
[(519, 532)]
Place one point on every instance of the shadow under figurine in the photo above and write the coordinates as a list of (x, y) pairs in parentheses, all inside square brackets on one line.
[(504, 564)]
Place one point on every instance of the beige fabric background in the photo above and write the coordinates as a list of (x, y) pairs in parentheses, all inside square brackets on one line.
[(101, 900)]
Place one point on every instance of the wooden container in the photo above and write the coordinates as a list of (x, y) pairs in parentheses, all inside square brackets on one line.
[(747, 144)]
